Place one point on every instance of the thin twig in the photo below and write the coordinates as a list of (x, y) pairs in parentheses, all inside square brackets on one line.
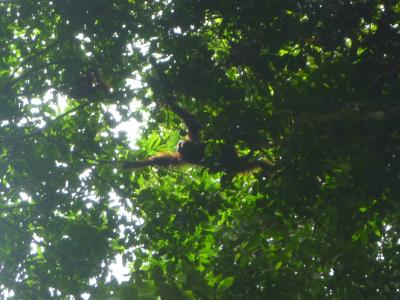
[(48, 124)]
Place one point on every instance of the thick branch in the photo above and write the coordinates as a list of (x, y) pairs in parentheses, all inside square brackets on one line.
[(379, 115)]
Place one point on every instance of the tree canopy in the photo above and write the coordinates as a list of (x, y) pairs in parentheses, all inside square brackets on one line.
[(311, 85)]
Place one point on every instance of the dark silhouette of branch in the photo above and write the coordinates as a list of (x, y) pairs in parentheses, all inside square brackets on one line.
[(366, 116), (13, 81), (48, 124), (47, 245)]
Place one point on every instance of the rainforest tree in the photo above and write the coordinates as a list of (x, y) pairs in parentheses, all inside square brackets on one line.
[(310, 85)]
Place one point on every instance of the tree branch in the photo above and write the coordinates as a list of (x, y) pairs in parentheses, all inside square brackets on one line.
[(379, 115), (48, 124)]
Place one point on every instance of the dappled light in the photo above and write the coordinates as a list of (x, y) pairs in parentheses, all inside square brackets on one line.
[(286, 177)]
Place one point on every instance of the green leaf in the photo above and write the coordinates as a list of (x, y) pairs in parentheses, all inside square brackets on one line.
[(225, 284)]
